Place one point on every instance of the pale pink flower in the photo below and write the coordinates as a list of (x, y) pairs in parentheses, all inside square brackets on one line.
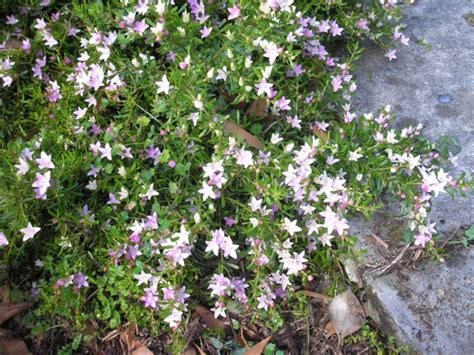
[(205, 31), (140, 27), (29, 232), (3, 240), (391, 54), (336, 83), (44, 161), (41, 184), (244, 157), (174, 318), (22, 167), (106, 152), (234, 12), (283, 104)]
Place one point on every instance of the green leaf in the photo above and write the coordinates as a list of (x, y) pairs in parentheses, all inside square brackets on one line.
[(173, 187), (182, 169), (165, 156), (143, 121), (256, 129), (446, 145), (470, 232), (270, 349)]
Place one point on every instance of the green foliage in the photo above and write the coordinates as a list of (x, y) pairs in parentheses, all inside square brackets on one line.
[(145, 175)]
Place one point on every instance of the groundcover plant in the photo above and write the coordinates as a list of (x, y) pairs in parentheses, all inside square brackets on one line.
[(158, 154)]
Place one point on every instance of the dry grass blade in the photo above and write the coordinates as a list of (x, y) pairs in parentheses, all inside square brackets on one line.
[(201, 352), (317, 295), (9, 310), (380, 241), (242, 338), (208, 317), (258, 348), (251, 140)]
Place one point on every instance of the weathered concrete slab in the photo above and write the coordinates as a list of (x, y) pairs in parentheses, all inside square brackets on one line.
[(413, 83), (430, 308)]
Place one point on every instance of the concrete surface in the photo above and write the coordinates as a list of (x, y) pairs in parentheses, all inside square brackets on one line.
[(432, 307)]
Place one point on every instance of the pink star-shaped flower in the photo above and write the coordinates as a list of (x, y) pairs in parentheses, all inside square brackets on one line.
[(44, 161), (234, 12), (29, 232)]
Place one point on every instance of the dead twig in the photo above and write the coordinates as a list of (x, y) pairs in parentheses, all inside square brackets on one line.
[(451, 237), (379, 240), (394, 261)]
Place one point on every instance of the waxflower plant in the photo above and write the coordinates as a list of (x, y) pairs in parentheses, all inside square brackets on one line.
[(124, 194)]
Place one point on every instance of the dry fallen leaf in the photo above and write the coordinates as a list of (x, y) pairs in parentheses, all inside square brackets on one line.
[(5, 293), (257, 108), (90, 330), (134, 347), (9, 310), (330, 329), (140, 349), (13, 44), (258, 348), (189, 351), (228, 98), (317, 295), (346, 313), (320, 133), (208, 317), (253, 141), (11, 346)]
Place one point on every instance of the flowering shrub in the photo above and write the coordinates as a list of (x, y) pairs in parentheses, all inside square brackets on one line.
[(156, 154)]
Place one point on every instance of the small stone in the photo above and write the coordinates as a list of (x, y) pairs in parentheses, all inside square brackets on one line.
[(445, 99)]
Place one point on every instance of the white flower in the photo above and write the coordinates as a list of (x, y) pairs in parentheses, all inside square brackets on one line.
[(92, 185), (254, 222), (174, 318), (149, 193), (275, 139), (207, 191), (255, 204), (193, 117), (244, 157), (294, 263), (163, 85), (354, 156), (143, 278), (291, 227), (198, 104), (333, 222), (271, 50)]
